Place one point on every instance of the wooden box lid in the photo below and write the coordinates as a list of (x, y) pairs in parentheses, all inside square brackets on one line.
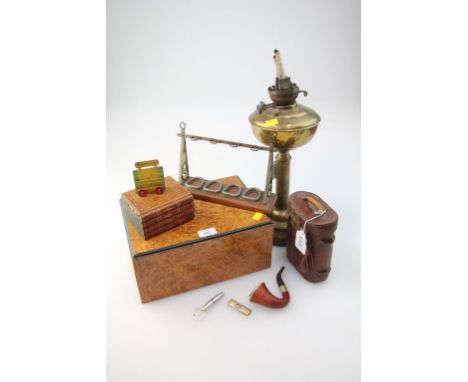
[(154, 204)]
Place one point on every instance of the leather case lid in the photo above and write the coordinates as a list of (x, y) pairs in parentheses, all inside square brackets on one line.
[(302, 205)]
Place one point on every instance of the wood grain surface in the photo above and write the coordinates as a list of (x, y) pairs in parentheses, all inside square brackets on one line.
[(154, 203), (149, 229), (203, 263), (179, 260), (223, 218)]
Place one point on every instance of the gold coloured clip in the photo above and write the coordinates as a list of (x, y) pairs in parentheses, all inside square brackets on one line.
[(239, 307)]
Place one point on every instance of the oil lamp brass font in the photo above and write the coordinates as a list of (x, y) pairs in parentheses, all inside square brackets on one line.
[(285, 125)]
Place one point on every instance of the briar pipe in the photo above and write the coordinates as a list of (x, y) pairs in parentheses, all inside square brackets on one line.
[(261, 295)]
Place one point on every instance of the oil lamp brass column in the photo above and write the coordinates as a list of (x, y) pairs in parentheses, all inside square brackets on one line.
[(285, 125)]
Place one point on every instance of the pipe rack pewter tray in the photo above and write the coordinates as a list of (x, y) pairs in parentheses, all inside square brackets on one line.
[(238, 242), (250, 198)]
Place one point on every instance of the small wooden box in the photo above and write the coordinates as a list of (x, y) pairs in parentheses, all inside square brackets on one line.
[(156, 213), (180, 260)]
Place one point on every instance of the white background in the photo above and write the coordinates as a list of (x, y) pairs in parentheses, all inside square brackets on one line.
[(53, 105), (209, 63)]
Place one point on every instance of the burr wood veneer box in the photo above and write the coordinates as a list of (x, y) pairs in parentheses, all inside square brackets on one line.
[(182, 259)]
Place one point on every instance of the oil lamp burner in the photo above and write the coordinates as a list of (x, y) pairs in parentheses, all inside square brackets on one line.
[(284, 125)]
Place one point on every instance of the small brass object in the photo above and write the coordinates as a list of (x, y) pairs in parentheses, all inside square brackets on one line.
[(239, 307), (283, 125), (147, 163)]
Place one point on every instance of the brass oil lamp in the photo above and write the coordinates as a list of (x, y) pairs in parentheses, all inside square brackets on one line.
[(285, 125)]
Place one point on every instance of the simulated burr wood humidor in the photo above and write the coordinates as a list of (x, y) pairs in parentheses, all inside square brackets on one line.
[(156, 213), (319, 221), (181, 259)]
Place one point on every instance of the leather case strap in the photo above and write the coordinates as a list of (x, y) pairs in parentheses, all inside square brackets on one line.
[(315, 203)]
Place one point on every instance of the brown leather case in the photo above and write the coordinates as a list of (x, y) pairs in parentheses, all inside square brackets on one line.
[(320, 234)]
